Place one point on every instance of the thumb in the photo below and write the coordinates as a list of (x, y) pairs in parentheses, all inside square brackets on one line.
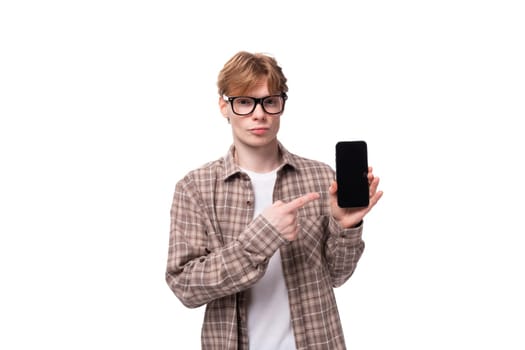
[(278, 203), (333, 187)]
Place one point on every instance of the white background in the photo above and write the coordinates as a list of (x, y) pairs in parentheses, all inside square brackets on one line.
[(104, 105)]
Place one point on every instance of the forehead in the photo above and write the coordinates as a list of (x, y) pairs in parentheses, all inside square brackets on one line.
[(258, 89)]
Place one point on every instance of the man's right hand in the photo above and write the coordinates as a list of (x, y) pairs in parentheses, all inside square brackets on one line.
[(283, 216)]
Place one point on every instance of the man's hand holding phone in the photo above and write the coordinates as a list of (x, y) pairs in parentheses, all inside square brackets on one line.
[(350, 217), (354, 192)]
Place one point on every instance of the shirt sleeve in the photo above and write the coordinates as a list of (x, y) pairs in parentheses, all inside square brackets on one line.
[(199, 269), (343, 250)]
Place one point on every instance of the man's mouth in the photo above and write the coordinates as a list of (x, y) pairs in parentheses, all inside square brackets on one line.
[(258, 131)]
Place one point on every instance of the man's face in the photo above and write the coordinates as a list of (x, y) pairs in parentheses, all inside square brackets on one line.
[(257, 129)]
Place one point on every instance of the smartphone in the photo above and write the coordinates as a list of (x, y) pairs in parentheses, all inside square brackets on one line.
[(351, 164)]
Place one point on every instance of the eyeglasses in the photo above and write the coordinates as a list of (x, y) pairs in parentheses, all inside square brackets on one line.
[(244, 105)]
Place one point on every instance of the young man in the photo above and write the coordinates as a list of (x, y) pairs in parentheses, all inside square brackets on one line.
[(257, 235)]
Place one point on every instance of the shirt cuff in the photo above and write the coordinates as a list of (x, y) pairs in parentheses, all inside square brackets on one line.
[(352, 233)]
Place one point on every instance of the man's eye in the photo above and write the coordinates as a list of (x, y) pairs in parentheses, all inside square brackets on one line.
[(244, 101)]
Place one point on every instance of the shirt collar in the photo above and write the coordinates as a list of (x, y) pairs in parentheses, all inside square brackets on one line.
[(231, 168)]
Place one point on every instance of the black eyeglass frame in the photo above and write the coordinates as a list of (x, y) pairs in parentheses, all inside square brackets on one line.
[(256, 101)]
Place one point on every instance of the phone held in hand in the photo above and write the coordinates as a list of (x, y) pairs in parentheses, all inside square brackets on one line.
[(351, 162)]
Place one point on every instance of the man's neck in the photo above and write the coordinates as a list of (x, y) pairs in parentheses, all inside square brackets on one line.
[(258, 159)]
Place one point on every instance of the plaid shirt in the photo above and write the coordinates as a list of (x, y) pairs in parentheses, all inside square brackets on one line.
[(217, 251)]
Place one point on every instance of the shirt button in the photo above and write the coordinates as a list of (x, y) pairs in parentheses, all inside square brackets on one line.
[(248, 203)]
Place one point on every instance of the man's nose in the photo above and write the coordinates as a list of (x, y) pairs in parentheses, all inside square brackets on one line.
[(258, 112)]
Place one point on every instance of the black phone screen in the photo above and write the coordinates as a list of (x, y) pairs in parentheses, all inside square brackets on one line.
[(351, 162)]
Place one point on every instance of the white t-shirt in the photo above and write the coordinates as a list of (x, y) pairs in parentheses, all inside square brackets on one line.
[(269, 322)]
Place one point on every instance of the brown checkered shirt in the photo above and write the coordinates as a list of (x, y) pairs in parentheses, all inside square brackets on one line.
[(217, 251)]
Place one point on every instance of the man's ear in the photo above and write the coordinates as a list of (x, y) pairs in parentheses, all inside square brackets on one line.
[(223, 106)]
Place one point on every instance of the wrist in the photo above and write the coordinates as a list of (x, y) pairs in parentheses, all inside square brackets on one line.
[(357, 225)]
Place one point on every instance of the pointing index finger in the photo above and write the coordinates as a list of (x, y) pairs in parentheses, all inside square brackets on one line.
[(302, 201)]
